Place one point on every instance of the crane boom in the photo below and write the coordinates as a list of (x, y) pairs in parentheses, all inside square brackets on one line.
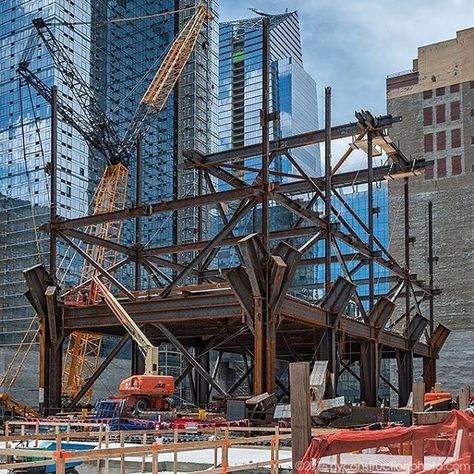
[(148, 350), (81, 90), (97, 130), (68, 114), (167, 75)]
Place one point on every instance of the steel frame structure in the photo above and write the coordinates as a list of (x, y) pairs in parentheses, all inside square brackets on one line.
[(247, 309)]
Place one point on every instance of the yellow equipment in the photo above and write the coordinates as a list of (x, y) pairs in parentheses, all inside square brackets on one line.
[(83, 349)]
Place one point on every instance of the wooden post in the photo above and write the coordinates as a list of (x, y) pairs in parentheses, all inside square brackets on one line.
[(154, 462), (464, 397), (215, 447), (100, 446), (175, 453), (275, 451), (418, 397), (300, 411), (418, 446), (106, 463), (144, 456), (225, 451), (122, 455), (36, 433)]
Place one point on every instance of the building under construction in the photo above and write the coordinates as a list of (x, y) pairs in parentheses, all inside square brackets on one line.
[(224, 287), (191, 302)]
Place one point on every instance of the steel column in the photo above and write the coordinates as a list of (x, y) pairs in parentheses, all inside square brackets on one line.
[(369, 372), (431, 260), (407, 249), (53, 169), (405, 376), (370, 213)]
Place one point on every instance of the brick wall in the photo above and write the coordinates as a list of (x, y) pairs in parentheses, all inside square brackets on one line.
[(449, 184)]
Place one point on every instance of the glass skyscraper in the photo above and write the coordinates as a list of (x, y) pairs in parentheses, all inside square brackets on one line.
[(117, 60), (292, 90), (293, 96)]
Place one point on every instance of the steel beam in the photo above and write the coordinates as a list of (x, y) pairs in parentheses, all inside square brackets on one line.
[(150, 209), (98, 371), (297, 187), (295, 141), (189, 358), (105, 273)]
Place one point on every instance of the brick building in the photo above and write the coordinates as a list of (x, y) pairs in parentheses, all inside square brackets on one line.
[(436, 101)]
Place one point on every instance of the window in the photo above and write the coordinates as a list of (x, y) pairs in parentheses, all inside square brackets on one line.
[(456, 167), (429, 170), (428, 142), (441, 140), (455, 110), (454, 88), (427, 94), (441, 167), (456, 138), (441, 113), (440, 91), (428, 116)]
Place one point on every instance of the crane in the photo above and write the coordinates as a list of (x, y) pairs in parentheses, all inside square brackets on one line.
[(99, 133), (150, 390)]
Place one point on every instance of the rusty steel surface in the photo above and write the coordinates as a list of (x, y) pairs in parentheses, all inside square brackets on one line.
[(221, 306)]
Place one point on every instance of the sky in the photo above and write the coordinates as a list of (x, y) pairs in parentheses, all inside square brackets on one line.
[(352, 45)]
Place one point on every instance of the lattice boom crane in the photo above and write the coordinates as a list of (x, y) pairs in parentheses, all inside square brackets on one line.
[(98, 131)]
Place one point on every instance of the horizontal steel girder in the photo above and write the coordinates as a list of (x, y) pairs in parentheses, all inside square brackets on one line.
[(296, 187), (221, 306), (295, 141)]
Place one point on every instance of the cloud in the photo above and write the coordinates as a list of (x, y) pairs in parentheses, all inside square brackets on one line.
[(352, 45)]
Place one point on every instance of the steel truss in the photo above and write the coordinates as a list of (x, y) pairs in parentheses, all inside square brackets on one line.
[(247, 309)]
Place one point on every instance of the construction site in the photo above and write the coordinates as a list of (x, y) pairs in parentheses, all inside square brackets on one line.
[(367, 316)]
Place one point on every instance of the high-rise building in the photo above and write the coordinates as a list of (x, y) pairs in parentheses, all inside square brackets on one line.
[(436, 101), (117, 60), (292, 90), (292, 96)]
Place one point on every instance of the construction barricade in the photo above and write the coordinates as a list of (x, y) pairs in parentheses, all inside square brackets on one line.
[(440, 448)]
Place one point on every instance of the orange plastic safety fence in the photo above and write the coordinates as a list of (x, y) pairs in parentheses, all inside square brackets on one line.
[(439, 440)]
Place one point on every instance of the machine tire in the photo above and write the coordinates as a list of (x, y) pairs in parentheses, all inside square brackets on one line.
[(72, 471), (142, 404)]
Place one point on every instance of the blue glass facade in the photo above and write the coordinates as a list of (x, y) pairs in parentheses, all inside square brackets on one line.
[(292, 90), (357, 200), (118, 60), (292, 94)]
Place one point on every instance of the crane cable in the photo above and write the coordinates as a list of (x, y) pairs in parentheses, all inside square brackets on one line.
[(125, 19), (37, 242), (30, 191)]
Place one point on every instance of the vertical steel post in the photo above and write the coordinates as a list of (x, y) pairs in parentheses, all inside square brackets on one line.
[(53, 187), (138, 223), (269, 330), (327, 197), (328, 344), (369, 357), (407, 249), (370, 217), (137, 361), (265, 130), (50, 366), (429, 363)]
